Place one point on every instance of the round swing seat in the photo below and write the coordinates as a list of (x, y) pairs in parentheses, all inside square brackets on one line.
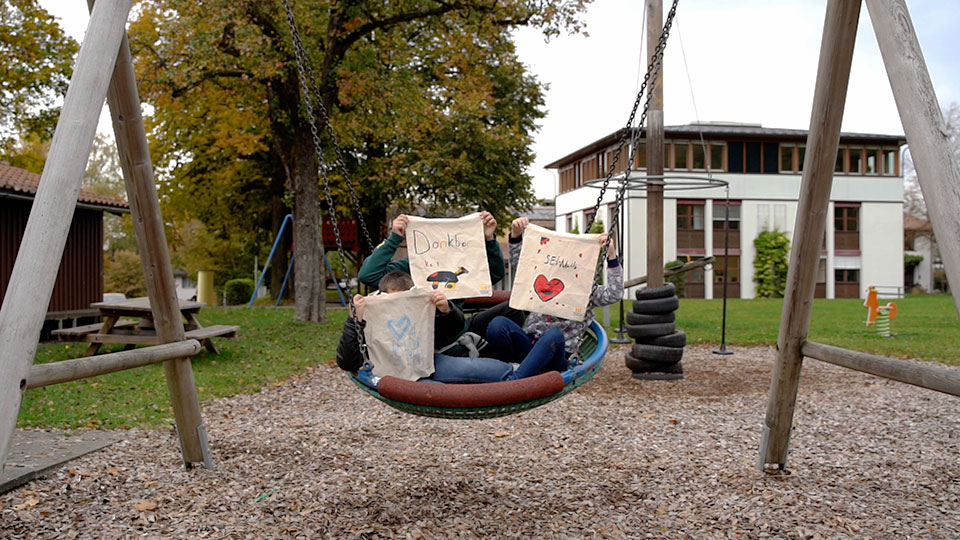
[(487, 400)]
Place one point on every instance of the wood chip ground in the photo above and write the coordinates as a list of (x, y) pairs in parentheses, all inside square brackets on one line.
[(315, 457)]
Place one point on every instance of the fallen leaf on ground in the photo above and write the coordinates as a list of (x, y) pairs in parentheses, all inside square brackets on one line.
[(143, 506)]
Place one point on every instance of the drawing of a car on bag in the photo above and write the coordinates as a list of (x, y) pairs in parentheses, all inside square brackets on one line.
[(449, 279)]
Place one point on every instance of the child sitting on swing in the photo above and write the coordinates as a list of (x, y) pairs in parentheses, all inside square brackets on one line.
[(547, 355), (507, 339), (380, 263)]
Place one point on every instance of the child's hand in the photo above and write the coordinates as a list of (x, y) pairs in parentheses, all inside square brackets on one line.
[(359, 302), (518, 226), (400, 224), (489, 224), (612, 248), (440, 300)]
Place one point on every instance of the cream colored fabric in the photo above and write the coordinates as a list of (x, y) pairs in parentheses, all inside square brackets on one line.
[(399, 334), (555, 273), (449, 255)]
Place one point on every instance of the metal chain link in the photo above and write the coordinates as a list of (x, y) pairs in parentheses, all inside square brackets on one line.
[(300, 57), (653, 73), (305, 66)]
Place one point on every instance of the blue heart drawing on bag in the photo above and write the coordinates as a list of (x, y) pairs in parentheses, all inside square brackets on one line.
[(400, 326)]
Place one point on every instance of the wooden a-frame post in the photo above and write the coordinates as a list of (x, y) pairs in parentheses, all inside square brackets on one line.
[(654, 140), (937, 172), (35, 271)]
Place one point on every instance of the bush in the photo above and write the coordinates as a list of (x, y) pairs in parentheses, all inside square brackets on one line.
[(770, 264), (676, 279), (238, 291)]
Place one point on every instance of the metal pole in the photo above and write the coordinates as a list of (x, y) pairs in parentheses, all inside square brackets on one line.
[(620, 339), (726, 266), (276, 242)]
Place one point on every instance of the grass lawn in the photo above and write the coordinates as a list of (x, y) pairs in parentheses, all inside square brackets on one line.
[(925, 328), (270, 347)]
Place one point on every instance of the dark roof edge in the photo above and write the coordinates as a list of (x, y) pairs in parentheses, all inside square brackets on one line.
[(727, 130)]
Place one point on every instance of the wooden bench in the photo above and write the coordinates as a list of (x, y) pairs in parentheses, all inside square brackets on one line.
[(130, 334), (79, 331), (218, 330)]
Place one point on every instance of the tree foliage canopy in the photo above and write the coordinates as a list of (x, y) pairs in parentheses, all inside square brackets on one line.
[(428, 100), (36, 60)]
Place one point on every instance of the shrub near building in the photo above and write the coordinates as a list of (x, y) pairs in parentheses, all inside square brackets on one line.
[(770, 264)]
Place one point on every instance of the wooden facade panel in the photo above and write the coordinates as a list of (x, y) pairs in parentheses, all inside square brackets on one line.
[(844, 240), (80, 276), (688, 239)]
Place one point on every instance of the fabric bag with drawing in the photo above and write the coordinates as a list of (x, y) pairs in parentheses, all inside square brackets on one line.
[(555, 273), (399, 334), (449, 254)]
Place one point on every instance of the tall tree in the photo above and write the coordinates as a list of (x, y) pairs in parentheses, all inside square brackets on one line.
[(912, 197), (36, 60), (428, 100)]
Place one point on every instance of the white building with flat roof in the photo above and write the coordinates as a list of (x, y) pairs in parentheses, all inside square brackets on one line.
[(863, 243)]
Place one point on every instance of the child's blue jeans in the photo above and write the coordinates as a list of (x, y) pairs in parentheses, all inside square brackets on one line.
[(547, 354)]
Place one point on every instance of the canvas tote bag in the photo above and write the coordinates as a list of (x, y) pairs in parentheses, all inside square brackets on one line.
[(555, 273), (449, 254), (399, 334)]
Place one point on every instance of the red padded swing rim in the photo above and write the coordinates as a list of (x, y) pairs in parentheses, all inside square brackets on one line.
[(471, 395)]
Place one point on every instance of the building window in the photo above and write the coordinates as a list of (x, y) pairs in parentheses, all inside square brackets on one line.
[(680, 157), (840, 160), (719, 209), (735, 157), (846, 218), (890, 162), (846, 275), (640, 157), (699, 159), (856, 161), (716, 156), (753, 157), (870, 164), (801, 153), (733, 269), (588, 220), (690, 217), (786, 158)]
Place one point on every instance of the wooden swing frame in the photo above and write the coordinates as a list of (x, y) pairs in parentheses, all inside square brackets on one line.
[(103, 69), (939, 176)]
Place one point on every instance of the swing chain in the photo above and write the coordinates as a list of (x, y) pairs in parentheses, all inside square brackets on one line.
[(653, 73), (301, 60)]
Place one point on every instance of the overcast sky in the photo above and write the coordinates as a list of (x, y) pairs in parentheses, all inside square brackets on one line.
[(748, 61)]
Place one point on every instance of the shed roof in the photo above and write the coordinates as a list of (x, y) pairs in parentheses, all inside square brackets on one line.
[(17, 180), (913, 223)]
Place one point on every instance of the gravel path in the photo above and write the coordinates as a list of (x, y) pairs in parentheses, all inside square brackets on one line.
[(619, 458)]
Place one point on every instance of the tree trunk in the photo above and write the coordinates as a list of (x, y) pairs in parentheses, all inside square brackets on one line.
[(307, 238)]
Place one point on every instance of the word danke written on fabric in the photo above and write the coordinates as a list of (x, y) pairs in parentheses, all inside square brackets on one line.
[(422, 244)]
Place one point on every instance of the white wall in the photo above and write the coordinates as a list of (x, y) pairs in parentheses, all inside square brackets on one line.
[(881, 220), (881, 245)]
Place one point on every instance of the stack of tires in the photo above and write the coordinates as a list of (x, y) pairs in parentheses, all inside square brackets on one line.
[(659, 345)]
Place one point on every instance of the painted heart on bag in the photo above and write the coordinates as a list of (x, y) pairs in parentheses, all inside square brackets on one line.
[(547, 289), (400, 326)]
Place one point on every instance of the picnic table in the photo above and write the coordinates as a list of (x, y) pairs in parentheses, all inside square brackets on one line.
[(141, 330)]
